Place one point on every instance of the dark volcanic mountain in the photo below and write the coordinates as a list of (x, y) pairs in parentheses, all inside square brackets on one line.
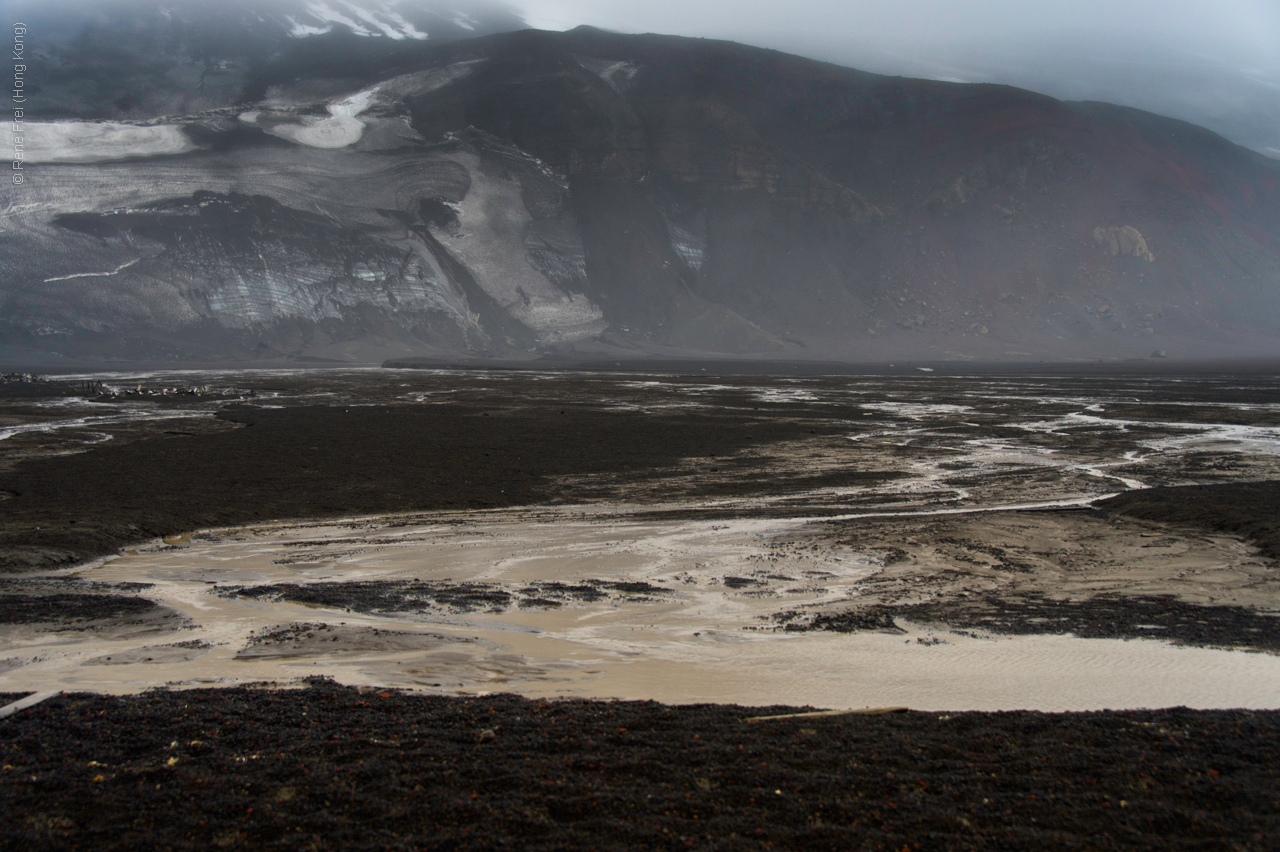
[(348, 196), (138, 59)]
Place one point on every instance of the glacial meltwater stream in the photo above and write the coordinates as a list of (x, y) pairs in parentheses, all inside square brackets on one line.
[(586, 602)]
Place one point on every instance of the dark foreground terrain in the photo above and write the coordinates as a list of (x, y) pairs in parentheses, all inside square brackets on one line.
[(329, 767)]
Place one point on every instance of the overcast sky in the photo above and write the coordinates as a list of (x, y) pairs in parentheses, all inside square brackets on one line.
[(1216, 26)]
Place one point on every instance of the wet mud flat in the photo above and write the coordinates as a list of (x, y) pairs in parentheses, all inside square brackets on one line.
[(327, 767), (976, 505), (1190, 565), (1099, 617), (591, 602), (917, 516)]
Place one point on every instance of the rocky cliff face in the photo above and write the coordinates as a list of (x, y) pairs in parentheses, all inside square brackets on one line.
[(579, 192)]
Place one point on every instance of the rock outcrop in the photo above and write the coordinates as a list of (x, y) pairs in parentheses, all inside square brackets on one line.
[(1123, 240)]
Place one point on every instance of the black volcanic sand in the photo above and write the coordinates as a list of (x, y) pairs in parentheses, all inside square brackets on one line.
[(1250, 510), (29, 609), (1100, 617), (39, 389), (416, 596), (320, 461), (329, 767)]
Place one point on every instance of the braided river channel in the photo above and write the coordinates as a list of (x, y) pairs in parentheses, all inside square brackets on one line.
[(919, 538)]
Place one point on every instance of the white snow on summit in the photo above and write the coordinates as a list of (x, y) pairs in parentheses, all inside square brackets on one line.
[(304, 30), (405, 27), (463, 20), (373, 19), (325, 12)]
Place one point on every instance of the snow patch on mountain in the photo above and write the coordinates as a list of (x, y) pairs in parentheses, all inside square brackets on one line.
[(339, 130), (95, 142), (376, 20), (407, 28), (465, 21), (422, 82), (334, 132), (344, 127), (298, 30), (617, 73)]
